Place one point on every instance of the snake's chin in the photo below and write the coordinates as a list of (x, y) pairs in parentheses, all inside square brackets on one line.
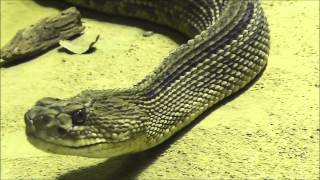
[(87, 151), (98, 150)]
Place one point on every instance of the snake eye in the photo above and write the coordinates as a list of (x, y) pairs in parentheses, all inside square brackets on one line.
[(79, 117)]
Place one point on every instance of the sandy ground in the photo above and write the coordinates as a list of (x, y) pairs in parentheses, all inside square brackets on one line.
[(270, 131)]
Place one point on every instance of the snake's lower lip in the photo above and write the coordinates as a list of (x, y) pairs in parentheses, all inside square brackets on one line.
[(30, 129), (28, 120)]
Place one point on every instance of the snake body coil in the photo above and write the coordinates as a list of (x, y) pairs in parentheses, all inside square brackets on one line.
[(228, 47)]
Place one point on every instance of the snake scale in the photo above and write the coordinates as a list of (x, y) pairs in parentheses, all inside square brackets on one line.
[(228, 47)]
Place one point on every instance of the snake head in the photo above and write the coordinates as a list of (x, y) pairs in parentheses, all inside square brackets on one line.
[(91, 124)]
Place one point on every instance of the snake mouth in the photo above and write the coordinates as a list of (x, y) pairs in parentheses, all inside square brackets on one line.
[(39, 139), (90, 151), (95, 149), (42, 143)]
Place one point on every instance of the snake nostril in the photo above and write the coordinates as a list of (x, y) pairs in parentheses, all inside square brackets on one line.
[(42, 121), (27, 118), (61, 131)]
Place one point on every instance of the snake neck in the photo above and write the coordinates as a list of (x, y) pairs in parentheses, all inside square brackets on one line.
[(224, 57)]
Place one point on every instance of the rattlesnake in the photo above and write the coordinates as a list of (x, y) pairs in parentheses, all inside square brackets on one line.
[(228, 47)]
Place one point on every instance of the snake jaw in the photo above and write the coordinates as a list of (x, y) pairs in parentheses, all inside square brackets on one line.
[(122, 143), (81, 124), (98, 150)]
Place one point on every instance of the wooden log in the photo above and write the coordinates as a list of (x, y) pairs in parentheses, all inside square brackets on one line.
[(42, 36)]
